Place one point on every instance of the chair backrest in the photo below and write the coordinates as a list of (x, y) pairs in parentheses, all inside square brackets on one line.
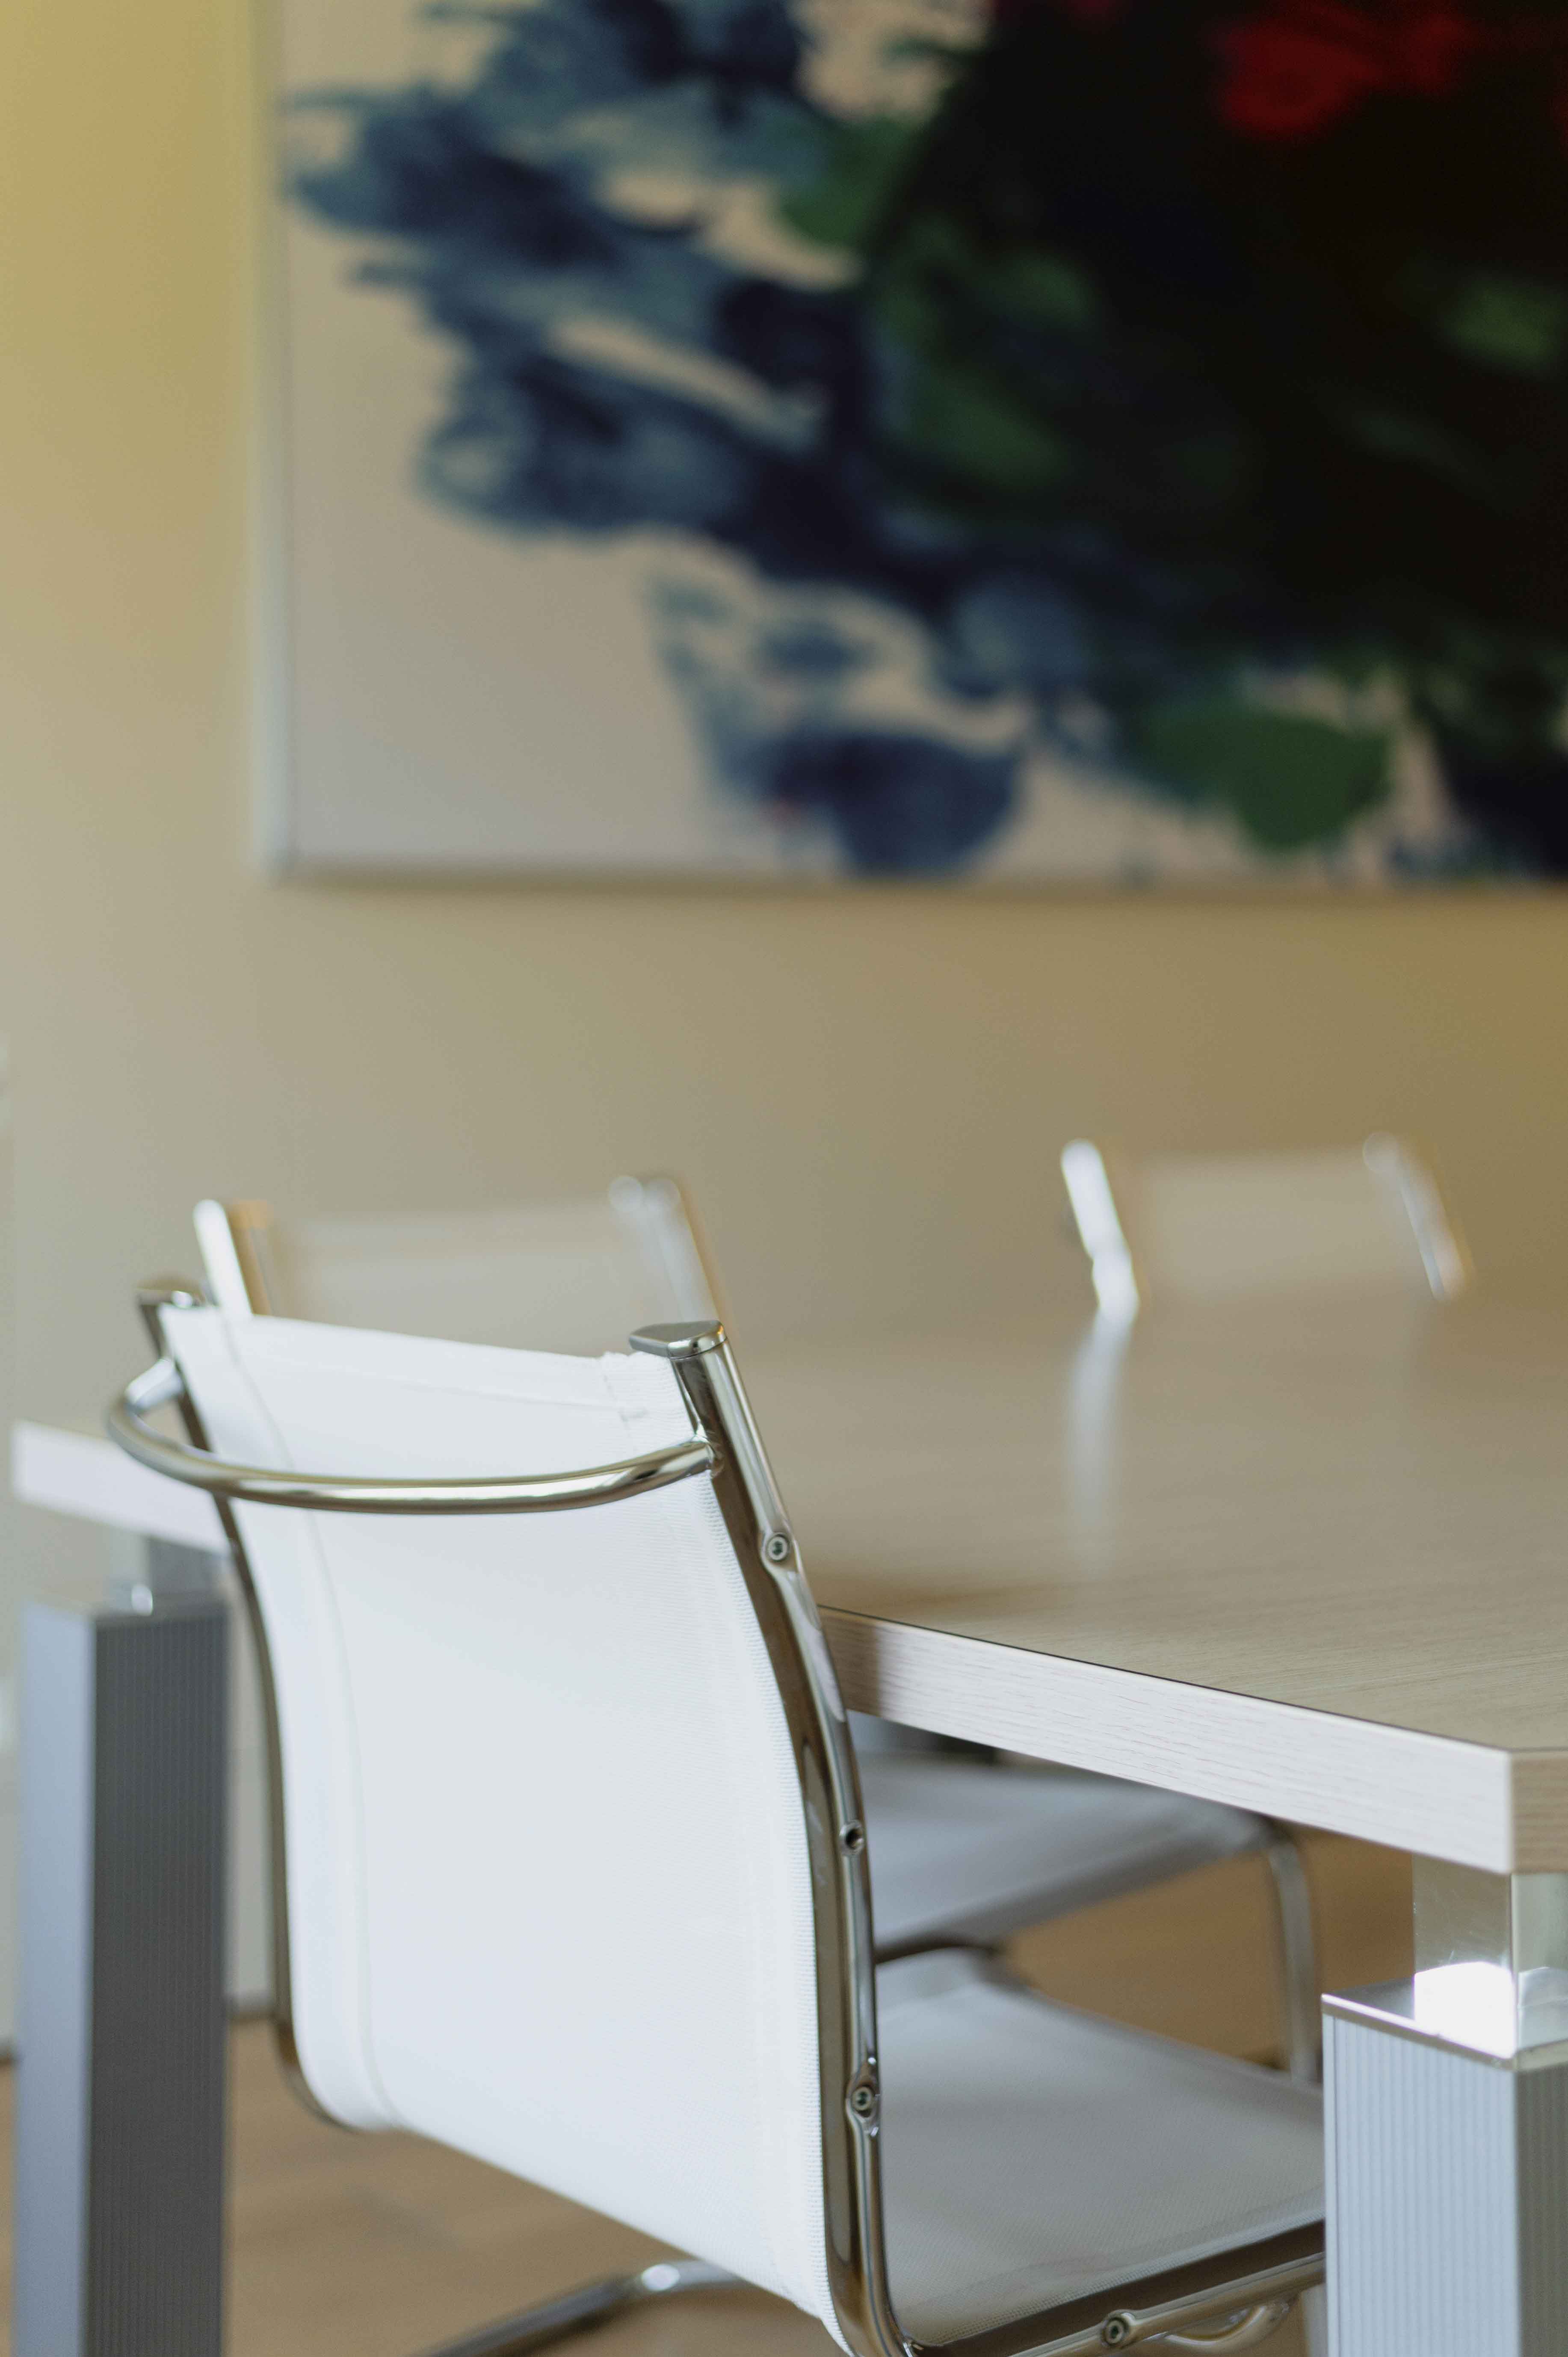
[(552, 1276), (1205, 1227), (548, 1892), (13, 1540)]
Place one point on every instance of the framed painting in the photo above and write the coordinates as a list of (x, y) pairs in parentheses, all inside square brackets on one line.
[(1043, 441)]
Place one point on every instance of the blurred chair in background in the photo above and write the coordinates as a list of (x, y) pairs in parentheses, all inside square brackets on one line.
[(1199, 1227), (576, 1275), (509, 1802), (963, 1849)]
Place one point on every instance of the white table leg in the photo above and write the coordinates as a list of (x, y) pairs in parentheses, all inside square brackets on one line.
[(1447, 2117)]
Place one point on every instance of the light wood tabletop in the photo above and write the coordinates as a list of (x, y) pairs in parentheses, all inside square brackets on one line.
[(1309, 1557)]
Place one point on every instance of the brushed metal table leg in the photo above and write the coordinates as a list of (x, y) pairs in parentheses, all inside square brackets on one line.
[(120, 2095), (1448, 2131)]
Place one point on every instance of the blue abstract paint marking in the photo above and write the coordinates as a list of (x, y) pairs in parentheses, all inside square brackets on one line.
[(569, 220), (991, 406)]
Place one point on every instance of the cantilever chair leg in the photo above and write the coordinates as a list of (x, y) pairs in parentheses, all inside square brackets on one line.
[(1298, 1958), (591, 2304), (1257, 2325)]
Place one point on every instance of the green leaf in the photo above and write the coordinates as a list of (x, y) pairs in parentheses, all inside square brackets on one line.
[(960, 419), (1289, 778), (1015, 285), (954, 399), (863, 165), (1515, 324)]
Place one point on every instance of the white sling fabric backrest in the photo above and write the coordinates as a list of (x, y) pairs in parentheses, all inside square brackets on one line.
[(1208, 1227), (557, 1276), (548, 1891)]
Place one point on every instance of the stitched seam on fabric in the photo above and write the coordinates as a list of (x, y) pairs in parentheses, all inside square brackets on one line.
[(597, 1392), (365, 2039)]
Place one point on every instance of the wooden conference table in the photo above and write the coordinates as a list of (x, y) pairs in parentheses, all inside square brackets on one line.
[(1305, 1558)]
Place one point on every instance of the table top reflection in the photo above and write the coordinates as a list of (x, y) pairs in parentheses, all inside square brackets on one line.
[(1307, 1557)]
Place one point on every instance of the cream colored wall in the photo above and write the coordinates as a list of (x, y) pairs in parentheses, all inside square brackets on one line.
[(867, 1091)]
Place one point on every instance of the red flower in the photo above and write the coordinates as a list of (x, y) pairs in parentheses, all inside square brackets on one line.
[(1307, 63), (1288, 76), (1429, 52)]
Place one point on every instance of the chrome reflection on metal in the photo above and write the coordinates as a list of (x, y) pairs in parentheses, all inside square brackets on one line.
[(728, 1447), (1399, 1168), (1093, 1201), (661, 1219), (591, 2304), (1491, 1968), (1297, 1957), (1092, 1405), (1463, 1916), (235, 1237), (1125, 2330), (358, 1493), (1491, 1958), (1467, 2009), (152, 1300), (814, 1714)]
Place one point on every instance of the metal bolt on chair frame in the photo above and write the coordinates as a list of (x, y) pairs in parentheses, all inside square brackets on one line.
[(1228, 2301)]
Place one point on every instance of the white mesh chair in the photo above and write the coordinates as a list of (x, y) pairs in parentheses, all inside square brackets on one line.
[(574, 1869), (1199, 1227), (964, 1850), (574, 1275)]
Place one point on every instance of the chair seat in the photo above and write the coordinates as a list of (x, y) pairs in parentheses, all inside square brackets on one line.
[(962, 1850), (1033, 2154)]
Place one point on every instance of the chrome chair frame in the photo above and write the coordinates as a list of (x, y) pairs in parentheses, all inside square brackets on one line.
[(657, 1210), (1206, 2306)]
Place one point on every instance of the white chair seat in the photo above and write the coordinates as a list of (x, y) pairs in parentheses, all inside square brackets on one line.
[(960, 1850), (1031, 2154)]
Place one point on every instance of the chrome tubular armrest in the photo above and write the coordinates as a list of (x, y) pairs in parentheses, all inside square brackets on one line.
[(355, 1493)]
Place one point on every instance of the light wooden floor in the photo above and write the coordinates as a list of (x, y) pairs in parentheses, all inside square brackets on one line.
[(380, 2245)]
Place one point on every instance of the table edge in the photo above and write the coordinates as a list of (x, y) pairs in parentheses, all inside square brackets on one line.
[(1440, 1796)]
